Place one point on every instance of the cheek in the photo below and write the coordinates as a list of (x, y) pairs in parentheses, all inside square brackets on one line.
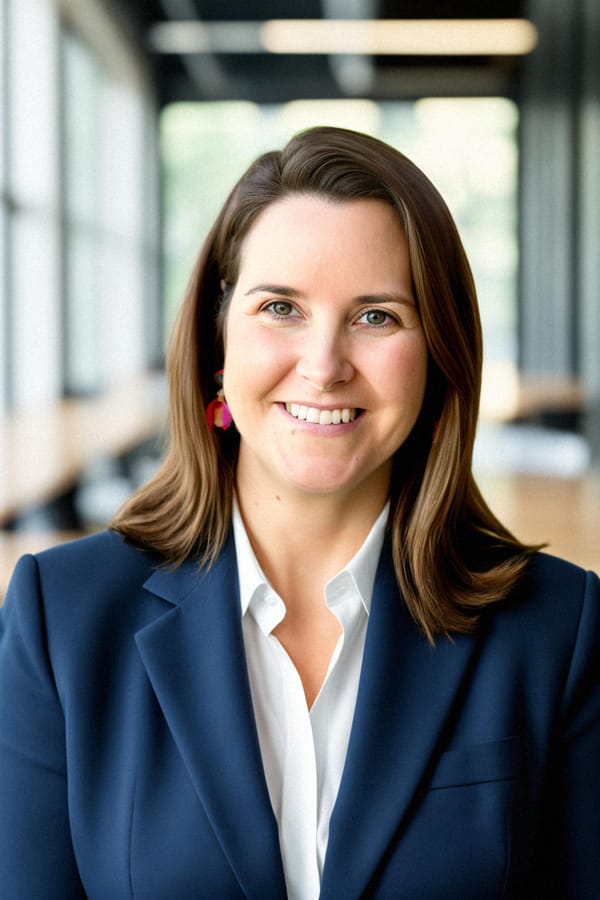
[(254, 364), (237, 357), (407, 370)]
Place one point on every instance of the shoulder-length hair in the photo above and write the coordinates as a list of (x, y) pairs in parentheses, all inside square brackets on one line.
[(451, 554)]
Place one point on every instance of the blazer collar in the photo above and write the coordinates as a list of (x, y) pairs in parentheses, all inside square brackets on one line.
[(406, 696), (194, 657)]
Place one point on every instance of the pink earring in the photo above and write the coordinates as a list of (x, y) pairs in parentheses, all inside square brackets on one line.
[(217, 411)]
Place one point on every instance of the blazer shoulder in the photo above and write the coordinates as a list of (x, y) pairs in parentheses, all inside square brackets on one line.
[(83, 578), (83, 599), (553, 598), (554, 577), (102, 554)]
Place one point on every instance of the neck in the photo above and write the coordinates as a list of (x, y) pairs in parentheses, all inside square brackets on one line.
[(306, 539)]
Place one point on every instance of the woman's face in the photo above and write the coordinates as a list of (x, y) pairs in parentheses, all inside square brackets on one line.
[(325, 357)]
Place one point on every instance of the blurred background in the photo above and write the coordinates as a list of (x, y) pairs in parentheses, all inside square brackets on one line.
[(124, 124)]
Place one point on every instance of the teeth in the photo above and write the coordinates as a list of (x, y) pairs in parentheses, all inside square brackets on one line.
[(321, 416)]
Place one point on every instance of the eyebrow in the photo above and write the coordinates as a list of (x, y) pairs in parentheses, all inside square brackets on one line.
[(285, 291), (274, 289)]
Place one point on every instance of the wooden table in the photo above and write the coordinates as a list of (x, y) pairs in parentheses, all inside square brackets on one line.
[(44, 452)]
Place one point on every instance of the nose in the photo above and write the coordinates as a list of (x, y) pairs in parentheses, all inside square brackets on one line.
[(324, 359)]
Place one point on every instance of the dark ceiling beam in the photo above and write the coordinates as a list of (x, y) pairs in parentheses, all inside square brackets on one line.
[(225, 57), (207, 74), (354, 74)]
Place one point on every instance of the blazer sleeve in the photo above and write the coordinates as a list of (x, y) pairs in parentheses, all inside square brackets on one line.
[(36, 852), (576, 817)]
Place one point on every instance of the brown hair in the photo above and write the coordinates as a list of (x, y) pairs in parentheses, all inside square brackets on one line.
[(452, 556)]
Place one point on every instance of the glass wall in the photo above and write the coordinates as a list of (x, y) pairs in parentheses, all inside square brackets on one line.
[(105, 186), (79, 255), (32, 185), (3, 208)]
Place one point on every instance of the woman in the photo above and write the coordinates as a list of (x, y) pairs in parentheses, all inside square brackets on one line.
[(307, 660)]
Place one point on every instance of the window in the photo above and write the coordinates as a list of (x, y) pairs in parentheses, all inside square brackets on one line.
[(79, 250), (106, 240), (4, 347), (32, 186)]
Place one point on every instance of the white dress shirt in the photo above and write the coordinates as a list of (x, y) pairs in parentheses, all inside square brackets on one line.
[(304, 751)]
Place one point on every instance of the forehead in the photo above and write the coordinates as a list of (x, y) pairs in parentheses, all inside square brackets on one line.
[(303, 228), (293, 209)]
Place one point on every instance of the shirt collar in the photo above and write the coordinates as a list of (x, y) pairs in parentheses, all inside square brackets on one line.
[(250, 575), (363, 565), (361, 569)]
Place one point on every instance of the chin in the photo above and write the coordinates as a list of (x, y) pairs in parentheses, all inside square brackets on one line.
[(318, 483), (329, 484)]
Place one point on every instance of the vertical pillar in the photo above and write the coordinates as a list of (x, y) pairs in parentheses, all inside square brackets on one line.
[(559, 327), (548, 193), (589, 218)]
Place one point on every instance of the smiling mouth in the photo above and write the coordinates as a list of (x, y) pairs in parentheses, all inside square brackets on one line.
[(339, 416)]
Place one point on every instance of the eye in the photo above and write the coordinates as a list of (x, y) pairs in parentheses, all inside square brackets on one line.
[(377, 318), (279, 309)]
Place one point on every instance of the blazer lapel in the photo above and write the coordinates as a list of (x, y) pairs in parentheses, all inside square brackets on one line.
[(195, 660), (406, 695)]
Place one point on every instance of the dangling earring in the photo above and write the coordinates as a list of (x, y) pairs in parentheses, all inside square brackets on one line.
[(217, 411)]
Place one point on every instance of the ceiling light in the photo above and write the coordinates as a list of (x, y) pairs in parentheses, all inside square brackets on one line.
[(396, 37), (412, 37)]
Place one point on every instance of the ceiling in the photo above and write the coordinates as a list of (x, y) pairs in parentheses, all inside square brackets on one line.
[(271, 78)]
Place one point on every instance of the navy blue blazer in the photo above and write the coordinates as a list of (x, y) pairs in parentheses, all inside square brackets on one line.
[(130, 766)]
